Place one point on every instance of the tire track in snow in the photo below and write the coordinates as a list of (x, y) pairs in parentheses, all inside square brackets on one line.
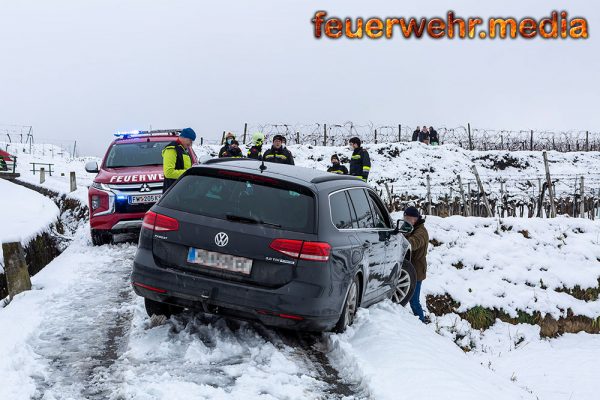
[(85, 327)]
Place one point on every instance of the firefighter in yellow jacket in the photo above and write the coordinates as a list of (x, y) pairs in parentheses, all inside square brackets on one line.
[(176, 157)]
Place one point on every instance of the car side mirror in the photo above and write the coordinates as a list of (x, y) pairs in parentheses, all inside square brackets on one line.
[(403, 227), (91, 167)]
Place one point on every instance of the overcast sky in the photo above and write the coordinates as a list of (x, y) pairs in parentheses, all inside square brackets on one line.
[(85, 69)]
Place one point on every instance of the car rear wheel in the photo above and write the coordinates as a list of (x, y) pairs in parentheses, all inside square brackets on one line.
[(405, 287), (157, 308), (350, 307), (100, 237)]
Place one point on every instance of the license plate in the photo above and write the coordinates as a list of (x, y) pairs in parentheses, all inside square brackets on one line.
[(144, 198), (221, 261)]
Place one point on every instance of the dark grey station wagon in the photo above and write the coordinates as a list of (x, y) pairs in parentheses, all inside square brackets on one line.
[(288, 246)]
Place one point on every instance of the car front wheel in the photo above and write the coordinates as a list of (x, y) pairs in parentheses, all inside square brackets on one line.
[(405, 287)]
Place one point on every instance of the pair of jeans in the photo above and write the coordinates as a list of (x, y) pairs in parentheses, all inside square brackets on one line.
[(415, 304)]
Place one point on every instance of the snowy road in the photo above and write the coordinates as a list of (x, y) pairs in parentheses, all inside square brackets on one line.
[(91, 339)]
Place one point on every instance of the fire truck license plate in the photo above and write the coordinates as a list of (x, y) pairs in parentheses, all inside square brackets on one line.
[(144, 198)]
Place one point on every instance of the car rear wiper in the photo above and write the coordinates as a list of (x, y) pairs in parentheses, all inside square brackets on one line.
[(250, 220)]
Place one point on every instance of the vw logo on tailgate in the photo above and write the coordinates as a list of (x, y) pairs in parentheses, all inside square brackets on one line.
[(221, 239)]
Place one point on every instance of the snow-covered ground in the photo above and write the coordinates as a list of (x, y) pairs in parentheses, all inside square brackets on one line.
[(514, 264), (82, 333), (24, 214)]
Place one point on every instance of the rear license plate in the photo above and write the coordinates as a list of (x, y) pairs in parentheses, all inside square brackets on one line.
[(221, 261), (144, 198)]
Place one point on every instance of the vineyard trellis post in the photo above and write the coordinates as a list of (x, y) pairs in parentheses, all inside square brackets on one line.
[(462, 195), (582, 194), (375, 136), (297, 137), (482, 192), (470, 139), (549, 183), (587, 140), (399, 133), (324, 134), (531, 141), (245, 131), (428, 195)]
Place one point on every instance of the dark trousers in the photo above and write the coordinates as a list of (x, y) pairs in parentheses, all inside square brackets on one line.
[(415, 304)]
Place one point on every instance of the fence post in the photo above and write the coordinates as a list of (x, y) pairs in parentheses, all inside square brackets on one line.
[(470, 212), (297, 137), (399, 133), (15, 269), (485, 199), (587, 140), (531, 141), (73, 181), (42, 175), (391, 205), (462, 195), (223, 138), (428, 195), (582, 204), (470, 138), (74, 148), (375, 136), (324, 134), (201, 141), (549, 183), (245, 131)]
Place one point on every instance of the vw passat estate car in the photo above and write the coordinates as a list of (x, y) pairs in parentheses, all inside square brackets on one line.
[(288, 246)]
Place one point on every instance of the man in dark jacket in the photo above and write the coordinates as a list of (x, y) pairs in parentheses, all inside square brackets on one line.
[(360, 163), (176, 157), (415, 135), (434, 139), (336, 166), (234, 150), (278, 153), (229, 138), (419, 242)]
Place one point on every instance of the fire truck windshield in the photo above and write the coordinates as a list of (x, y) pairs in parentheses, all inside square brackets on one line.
[(135, 154)]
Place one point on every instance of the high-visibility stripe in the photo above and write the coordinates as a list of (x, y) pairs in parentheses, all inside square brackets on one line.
[(366, 168), (356, 157), (281, 156)]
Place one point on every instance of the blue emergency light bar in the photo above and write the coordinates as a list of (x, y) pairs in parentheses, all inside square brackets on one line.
[(136, 133)]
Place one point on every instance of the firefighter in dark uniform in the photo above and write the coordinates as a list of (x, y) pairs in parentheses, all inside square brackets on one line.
[(176, 157), (278, 153), (224, 152), (255, 151), (360, 163), (234, 150), (336, 166)]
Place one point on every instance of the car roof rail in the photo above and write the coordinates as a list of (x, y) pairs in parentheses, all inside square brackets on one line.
[(335, 177), (226, 159)]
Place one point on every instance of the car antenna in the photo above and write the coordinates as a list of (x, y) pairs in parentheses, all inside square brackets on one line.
[(262, 167)]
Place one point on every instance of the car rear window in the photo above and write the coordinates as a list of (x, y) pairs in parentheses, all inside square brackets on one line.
[(135, 154), (241, 197)]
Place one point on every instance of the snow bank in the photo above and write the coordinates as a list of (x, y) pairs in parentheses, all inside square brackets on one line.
[(24, 214), (514, 264), (398, 357)]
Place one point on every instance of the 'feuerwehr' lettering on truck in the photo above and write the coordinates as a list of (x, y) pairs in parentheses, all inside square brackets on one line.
[(136, 178)]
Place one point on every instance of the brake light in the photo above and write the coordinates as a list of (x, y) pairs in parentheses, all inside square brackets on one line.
[(152, 288), (159, 222), (250, 177), (286, 316), (308, 251)]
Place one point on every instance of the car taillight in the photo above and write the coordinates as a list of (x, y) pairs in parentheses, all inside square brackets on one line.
[(159, 222), (308, 251)]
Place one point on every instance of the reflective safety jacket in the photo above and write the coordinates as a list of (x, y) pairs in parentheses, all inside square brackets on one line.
[(338, 169), (360, 164), (255, 152), (176, 160), (281, 156)]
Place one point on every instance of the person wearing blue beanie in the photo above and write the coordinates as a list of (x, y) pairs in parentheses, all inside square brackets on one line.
[(188, 133), (176, 157)]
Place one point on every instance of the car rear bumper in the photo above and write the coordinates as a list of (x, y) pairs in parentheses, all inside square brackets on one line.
[(296, 305)]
